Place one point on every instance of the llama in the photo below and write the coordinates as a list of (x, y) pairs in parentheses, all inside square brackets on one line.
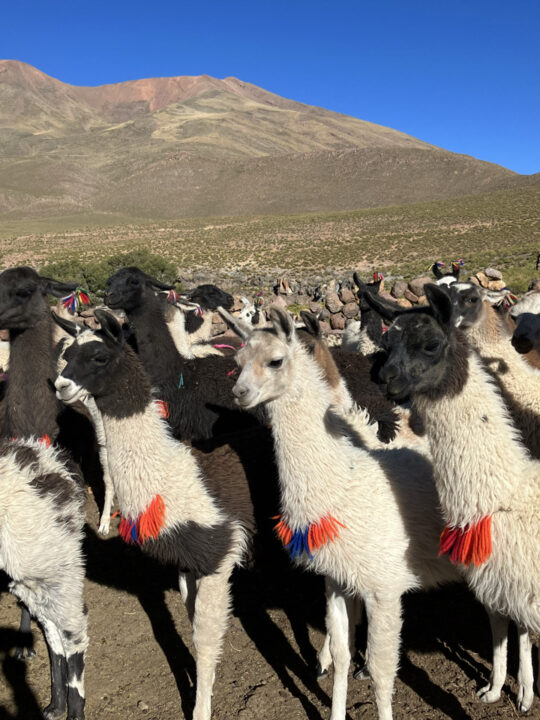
[(365, 335), (207, 298), (526, 313), (202, 523), (197, 392), (41, 532), (489, 333), (337, 497), (488, 485), (447, 278)]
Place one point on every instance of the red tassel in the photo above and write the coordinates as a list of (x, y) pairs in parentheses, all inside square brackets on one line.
[(471, 544), (163, 408)]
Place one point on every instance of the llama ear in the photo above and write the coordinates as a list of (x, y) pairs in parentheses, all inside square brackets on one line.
[(242, 329), (109, 326), (389, 311), (155, 284), (440, 304), (56, 288), (311, 322), (282, 322), (72, 328), (436, 272)]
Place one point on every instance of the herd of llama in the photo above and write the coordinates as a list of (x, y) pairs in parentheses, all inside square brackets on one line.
[(407, 458)]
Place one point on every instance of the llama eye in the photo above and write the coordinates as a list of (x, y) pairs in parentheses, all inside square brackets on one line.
[(431, 348), (275, 363), (100, 360), (473, 299)]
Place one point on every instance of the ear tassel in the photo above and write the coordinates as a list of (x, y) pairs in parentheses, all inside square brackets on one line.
[(172, 297), (378, 276), (75, 300)]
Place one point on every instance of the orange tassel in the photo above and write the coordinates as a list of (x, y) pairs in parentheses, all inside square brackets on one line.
[(471, 544), (163, 408)]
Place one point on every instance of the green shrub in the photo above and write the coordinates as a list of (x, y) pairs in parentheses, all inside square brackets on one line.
[(92, 276)]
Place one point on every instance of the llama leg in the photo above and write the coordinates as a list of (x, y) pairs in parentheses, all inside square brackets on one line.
[(25, 628), (105, 519), (337, 624), (75, 645), (525, 674), (499, 633), (188, 592), (357, 607), (57, 707), (324, 658), (210, 619), (384, 629)]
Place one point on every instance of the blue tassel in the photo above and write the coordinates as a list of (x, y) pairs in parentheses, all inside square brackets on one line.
[(299, 544), (134, 535), (181, 381)]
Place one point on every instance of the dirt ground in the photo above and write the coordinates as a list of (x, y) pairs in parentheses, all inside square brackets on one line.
[(139, 663)]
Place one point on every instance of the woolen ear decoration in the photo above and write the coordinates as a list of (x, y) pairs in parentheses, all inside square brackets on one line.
[(259, 299), (74, 300), (458, 264), (471, 544), (438, 264), (146, 526), (309, 538), (378, 276), (172, 297), (163, 407)]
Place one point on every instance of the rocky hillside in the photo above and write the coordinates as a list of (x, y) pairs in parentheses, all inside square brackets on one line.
[(199, 146)]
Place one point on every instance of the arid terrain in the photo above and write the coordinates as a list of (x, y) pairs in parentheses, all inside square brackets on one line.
[(139, 663), (200, 147)]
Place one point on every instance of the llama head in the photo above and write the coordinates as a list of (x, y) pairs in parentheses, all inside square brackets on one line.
[(372, 288), (420, 347), (526, 336), (467, 299), (23, 297), (266, 360), (92, 360), (209, 297), (128, 288)]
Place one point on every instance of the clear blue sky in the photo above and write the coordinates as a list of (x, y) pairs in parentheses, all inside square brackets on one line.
[(461, 74)]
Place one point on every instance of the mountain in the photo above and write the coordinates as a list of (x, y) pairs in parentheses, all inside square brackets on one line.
[(188, 146)]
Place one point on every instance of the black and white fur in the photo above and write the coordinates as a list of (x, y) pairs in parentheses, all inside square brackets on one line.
[(41, 532), (208, 517)]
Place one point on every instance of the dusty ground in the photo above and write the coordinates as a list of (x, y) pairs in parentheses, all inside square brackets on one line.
[(139, 663)]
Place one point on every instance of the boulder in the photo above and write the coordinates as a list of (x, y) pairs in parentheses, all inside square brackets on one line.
[(422, 300), (416, 286), (398, 289), (325, 327), (410, 296), (350, 310), (473, 280), (482, 279), (315, 307), (346, 296), (279, 301), (333, 303), (493, 274), (337, 322), (404, 303), (496, 285), (325, 315)]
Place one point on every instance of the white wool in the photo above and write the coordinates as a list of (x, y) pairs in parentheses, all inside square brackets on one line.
[(481, 469)]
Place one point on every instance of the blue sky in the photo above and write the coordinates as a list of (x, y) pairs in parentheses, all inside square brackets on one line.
[(463, 75)]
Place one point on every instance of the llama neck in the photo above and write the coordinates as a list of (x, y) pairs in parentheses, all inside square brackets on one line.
[(478, 460), (177, 329), (308, 454), (491, 339), (204, 332), (370, 332), (155, 345), (31, 407)]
